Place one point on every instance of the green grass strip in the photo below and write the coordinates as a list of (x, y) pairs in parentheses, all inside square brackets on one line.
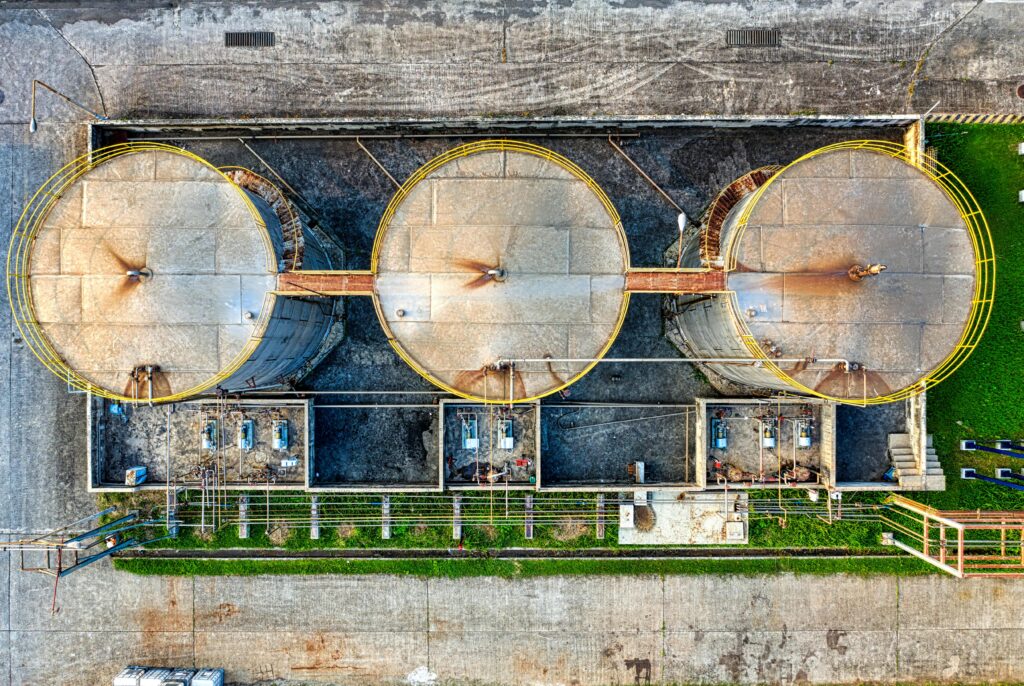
[(523, 568)]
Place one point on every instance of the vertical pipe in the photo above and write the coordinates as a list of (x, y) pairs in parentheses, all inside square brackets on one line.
[(960, 550)]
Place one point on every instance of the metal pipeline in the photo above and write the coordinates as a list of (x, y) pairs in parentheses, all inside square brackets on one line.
[(706, 360)]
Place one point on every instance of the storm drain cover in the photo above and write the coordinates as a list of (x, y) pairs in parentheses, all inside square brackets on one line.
[(249, 39), (753, 38)]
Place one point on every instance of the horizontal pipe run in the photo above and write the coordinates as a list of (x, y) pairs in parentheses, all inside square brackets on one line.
[(324, 283), (659, 360), (382, 136), (682, 281)]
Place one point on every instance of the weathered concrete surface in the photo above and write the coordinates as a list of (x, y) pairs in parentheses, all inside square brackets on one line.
[(491, 58), (588, 630)]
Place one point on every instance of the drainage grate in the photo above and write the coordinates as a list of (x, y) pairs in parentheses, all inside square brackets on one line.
[(753, 38), (248, 39)]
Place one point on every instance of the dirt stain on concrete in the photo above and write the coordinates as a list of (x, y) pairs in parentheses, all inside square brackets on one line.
[(832, 640)]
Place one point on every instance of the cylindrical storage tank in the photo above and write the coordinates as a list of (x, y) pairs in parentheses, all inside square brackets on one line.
[(858, 273), (144, 273), (500, 271)]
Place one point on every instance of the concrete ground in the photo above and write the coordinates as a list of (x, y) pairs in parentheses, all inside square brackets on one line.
[(472, 59), (490, 58), (586, 631)]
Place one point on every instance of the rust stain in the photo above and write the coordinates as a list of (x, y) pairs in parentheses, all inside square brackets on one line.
[(225, 611), (641, 281), (324, 283), (327, 654)]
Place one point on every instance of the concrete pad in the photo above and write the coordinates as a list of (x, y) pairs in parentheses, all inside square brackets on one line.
[(5, 652), (947, 251), (331, 604), (699, 519), (237, 252), (796, 248), (516, 201), (407, 292), (150, 205), (88, 658), (531, 299), (85, 250), (168, 299), (590, 249), (184, 347), (313, 657), (783, 602), (89, 601), (786, 656), (133, 167), (869, 201), (5, 594), (900, 298), (980, 604), (57, 298), (959, 655), (596, 656), (546, 604)]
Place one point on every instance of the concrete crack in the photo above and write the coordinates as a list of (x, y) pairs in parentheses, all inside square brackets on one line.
[(919, 65), (92, 71), (897, 675)]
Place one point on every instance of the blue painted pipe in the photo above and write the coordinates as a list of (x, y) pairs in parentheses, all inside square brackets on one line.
[(998, 451), (997, 482), (1014, 475)]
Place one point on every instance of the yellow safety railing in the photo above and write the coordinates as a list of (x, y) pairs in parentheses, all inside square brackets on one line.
[(19, 264), (984, 260), (476, 147)]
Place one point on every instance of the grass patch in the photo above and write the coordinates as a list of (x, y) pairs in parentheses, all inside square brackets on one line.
[(982, 400), (524, 568)]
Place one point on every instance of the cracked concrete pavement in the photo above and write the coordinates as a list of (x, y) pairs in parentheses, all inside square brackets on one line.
[(475, 59), (494, 58), (596, 630)]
